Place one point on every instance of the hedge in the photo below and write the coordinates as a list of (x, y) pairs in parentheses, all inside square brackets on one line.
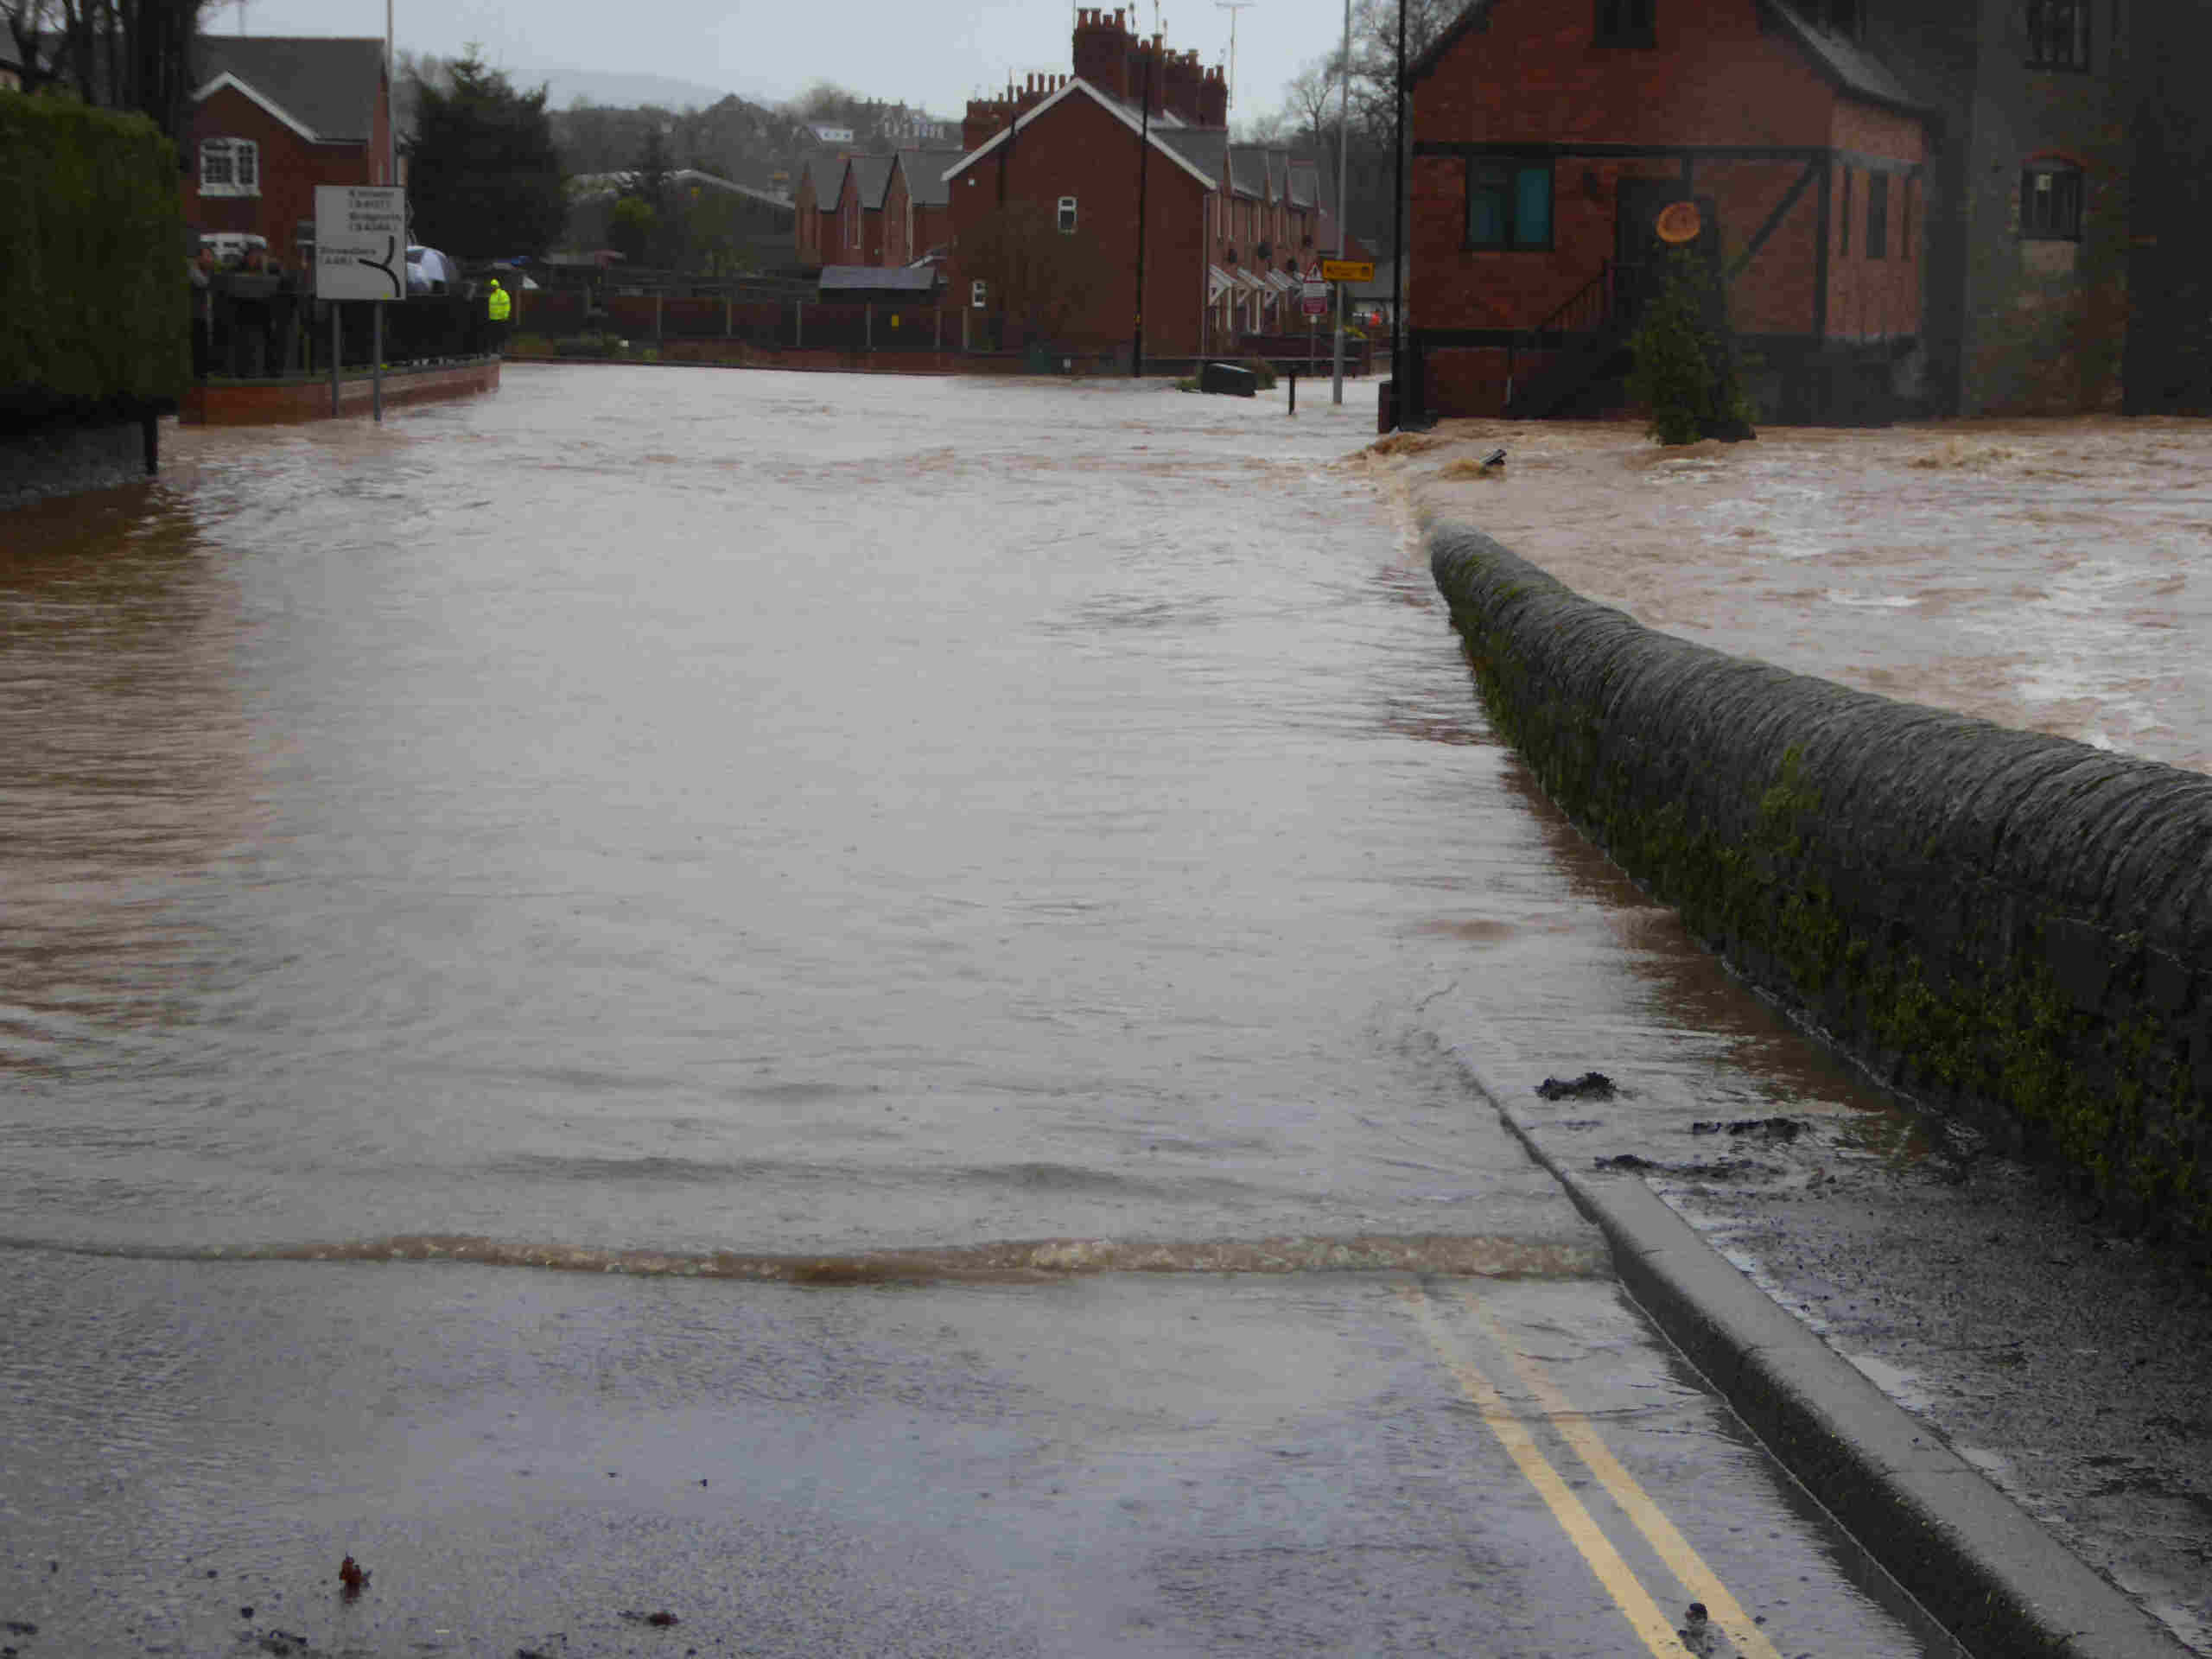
[(95, 299)]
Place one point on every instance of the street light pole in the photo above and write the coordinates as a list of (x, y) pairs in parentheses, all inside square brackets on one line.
[(1398, 229), (1344, 123), (1144, 168)]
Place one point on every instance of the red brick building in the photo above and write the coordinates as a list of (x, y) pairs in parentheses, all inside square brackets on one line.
[(1083, 157), (918, 206), (272, 119), (1548, 139), (1229, 228)]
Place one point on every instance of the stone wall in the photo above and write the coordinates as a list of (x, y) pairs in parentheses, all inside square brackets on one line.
[(67, 459), (2011, 928)]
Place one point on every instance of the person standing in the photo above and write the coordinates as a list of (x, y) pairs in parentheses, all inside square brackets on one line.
[(500, 306)]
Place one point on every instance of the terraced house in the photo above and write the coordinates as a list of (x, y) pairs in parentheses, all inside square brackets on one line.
[(1943, 205)]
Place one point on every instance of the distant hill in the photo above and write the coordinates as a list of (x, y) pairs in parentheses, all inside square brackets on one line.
[(567, 86)]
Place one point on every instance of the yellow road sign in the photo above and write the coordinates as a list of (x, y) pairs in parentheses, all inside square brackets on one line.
[(1347, 270)]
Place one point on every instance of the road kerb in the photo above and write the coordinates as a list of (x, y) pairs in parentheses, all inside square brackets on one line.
[(1992, 1577)]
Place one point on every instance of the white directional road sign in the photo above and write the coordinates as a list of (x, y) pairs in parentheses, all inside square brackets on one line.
[(361, 242)]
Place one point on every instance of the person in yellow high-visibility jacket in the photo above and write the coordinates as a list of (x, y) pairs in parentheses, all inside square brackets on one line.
[(500, 305)]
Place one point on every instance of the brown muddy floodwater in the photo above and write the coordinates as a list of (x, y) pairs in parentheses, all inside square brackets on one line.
[(2052, 575), (754, 814)]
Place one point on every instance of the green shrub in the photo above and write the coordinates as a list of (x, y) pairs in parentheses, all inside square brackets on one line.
[(1685, 370), (95, 298), (529, 346), (1263, 374)]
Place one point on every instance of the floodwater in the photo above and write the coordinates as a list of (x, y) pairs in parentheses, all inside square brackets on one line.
[(746, 815), (2049, 575), (840, 829)]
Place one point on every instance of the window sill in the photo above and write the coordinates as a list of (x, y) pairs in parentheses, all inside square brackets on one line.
[(1508, 247), (229, 189), (1626, 43)]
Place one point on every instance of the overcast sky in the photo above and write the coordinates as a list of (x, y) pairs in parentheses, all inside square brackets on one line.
[(932, 56)]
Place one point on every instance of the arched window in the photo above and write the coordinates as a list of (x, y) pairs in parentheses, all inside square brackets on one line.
[(230, 167)]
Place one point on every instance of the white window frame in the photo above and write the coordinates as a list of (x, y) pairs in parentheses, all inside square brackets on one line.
[(1067, 219), (240, 167), (977, 295)]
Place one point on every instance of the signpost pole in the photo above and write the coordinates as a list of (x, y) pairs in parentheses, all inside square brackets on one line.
[(376, 359), (334, 338)]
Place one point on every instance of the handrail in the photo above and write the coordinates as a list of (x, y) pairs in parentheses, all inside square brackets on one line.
[(1557, 322), (1563, 318)]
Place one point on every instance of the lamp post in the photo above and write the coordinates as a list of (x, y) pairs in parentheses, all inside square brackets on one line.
[(1344, 123), (1398, 226), (1144, 167)]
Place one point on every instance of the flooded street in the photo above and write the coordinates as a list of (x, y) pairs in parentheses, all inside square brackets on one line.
[(671, 812), (1021, 863)]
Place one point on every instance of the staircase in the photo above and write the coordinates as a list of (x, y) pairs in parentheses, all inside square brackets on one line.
[(1589, 335)]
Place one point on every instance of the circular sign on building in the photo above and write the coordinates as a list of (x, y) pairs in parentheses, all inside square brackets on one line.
[(1679, 221)]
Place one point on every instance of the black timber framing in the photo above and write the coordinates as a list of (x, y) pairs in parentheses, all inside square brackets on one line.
[(1773, 222)]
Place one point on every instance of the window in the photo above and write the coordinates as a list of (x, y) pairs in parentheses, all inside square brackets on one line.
[(2058, 34), (1904, 222), (1877, 215), (1846, 246), (230, 167), (1067, 215), (976, 292), (2051, 201), (1625, 22), (1509, 205)]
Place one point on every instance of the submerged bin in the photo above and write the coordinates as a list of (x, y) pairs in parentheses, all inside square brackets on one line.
[(1386, 407), (1227, 377)]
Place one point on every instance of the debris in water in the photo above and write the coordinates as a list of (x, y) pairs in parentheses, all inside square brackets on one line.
[(661, 1620), (1496, 458), (1590, 1085), (1767, 1129), (353, 1576), (1626, 1160)]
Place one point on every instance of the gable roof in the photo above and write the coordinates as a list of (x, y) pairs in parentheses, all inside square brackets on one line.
[(1204, 148), (827, 169), (871, 176), (1845, 63), (325, 90), (924, 171), (1077, 87)]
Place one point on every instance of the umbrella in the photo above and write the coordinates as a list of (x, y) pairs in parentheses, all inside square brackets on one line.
[(428, 270)]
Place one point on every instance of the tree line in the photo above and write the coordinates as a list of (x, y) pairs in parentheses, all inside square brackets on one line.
[(1313, 99)]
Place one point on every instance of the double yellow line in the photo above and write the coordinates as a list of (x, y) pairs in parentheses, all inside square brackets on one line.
[(1656, 1629)]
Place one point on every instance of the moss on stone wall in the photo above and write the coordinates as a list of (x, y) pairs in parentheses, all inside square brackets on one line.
[(2003, 926)]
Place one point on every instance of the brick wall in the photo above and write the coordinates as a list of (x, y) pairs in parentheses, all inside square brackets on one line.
[(290, 169), (1077, 149)]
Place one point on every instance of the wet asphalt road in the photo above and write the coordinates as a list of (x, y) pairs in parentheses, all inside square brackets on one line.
[(1117, 1464)]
